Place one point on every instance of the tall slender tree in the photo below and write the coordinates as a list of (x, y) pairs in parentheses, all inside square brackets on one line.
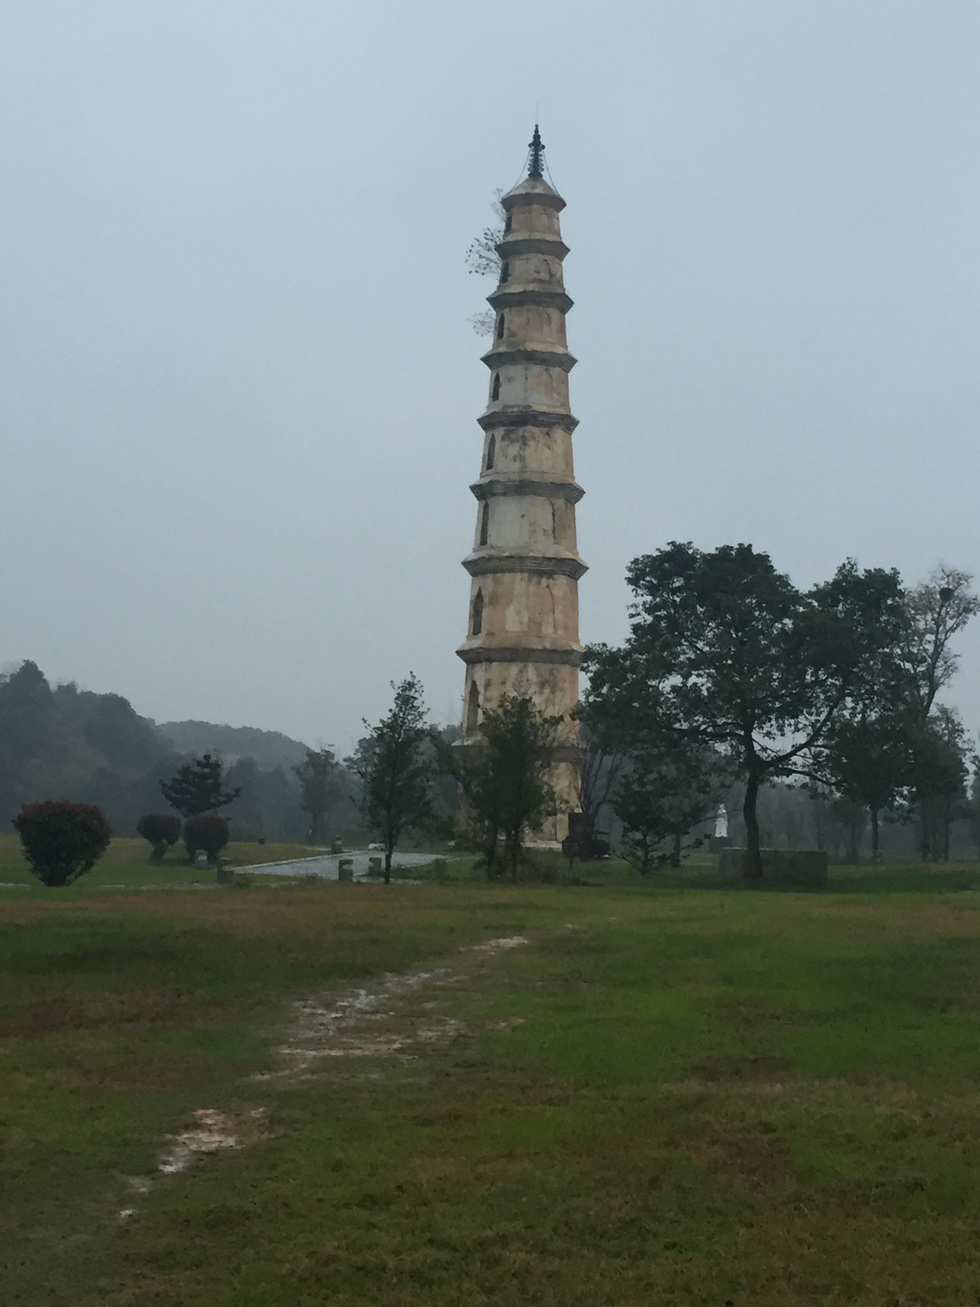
[(396, 766), (506, 780), (319, 776), (940, 767), (937, 610)]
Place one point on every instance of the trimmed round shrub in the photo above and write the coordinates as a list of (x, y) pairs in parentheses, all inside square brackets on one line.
[(62, 840), (207, 831), (161, 829)]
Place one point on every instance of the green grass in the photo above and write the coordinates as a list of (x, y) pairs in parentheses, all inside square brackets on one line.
[(126, 865), (673, 1094)]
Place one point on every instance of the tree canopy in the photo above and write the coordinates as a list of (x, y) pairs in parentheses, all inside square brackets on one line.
[(724, 652), (197, 787)]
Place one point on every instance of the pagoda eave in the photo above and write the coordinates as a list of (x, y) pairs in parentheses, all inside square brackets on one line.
[(492, 562), (524, 416), (524, 199), (489, 486), (546, 358), (518, 297), (562, 656), (510, 246)]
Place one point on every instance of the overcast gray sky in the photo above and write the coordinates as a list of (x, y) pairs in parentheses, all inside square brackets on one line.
[(239, 387)]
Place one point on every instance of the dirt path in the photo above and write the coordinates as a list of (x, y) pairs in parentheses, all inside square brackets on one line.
[(393, 1018)]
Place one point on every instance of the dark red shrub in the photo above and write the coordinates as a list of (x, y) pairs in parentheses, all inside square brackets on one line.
[(207, 831), (162, 829), (62, 840)]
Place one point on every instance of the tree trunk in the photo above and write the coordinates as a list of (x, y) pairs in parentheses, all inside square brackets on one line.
[(853, 851), (925, 842), (753, 852), (874, 834), (675, 852), (491, 853), (389, 850), (512, 850)]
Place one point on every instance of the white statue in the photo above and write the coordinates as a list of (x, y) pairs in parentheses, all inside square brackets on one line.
[(721, 824)]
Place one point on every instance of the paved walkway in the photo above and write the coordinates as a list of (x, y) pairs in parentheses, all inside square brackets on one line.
[(325, 864)]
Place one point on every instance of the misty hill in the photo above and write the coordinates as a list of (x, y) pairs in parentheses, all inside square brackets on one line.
[(67, 743), (60, 742), (268, 749)]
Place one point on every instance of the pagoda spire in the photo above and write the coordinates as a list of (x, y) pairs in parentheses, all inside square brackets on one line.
[(536, 147), (522, 636)]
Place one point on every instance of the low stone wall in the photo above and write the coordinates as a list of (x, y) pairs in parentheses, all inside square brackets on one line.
[(804, 867)]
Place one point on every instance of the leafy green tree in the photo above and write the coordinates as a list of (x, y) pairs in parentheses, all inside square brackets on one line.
[(868, 759), (668, 789), (320, 779), (505, 779), (889, 746), (940, 769), (196, 787), (62, 840), (396, 767), (724, 652)]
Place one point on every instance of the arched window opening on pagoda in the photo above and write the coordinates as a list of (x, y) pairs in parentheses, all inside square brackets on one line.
[(500, 327), (504, 272), (473, 710), (495, 392), (484, 524), (491, 451), (476, 625)]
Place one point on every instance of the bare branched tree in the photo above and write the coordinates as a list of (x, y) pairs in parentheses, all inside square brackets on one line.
[(483, 259), (938, 609), (483, 323)]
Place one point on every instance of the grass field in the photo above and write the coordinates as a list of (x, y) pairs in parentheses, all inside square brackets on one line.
[(669, 1094)]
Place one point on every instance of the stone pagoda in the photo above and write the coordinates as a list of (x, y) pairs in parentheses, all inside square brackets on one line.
[(523, 618)]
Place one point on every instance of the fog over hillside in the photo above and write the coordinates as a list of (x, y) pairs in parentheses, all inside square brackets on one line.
[(268, 749), (63, 742)]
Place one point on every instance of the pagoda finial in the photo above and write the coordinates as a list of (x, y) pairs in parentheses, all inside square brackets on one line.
[(537, 154)]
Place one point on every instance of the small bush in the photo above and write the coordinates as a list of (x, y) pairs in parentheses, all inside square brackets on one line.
[(161, 829), (62, 840), (207, 831)]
